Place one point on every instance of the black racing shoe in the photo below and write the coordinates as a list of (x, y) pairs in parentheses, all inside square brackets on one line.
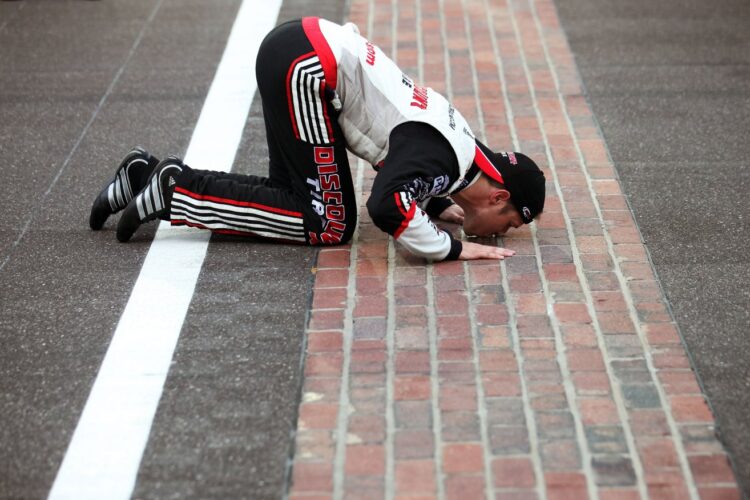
[(130, 178), (154, 199)]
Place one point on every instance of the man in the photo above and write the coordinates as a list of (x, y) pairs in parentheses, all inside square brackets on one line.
[(326, 89)]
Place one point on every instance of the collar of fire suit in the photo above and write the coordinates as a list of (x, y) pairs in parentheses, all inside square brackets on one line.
[(471, 176)]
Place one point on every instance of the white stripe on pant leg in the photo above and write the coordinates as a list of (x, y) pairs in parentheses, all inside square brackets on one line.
[(180, 198), (105, 452)]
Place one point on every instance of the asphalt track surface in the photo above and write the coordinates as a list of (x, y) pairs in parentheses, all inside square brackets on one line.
[(670, 90), (82, 82), (669, 83)]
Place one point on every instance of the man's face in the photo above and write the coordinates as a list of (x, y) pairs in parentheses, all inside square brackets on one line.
[(492, 220)]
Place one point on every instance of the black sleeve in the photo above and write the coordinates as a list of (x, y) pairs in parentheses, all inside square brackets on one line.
[(420, 164)]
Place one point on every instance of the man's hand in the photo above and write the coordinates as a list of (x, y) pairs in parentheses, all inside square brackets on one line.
[(473, 251), (453, 213)]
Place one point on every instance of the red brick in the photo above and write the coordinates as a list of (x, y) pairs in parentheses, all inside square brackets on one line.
[(454, 326), (326, 320), (411, 387), (457, 397), (329, 257), (372, 267), (323, 364), (719, 493), (657, 453), (615, 322), (580, 360), (631, 252), (530, 303), (370, 286), (597, 411), (312, 477), (690, 409), (412, 362), (501, 384), (513, 473), (619, 494), (453, 302), (579, 335), (497, 360), (609, 301), (662, 333), (679, 382), (494, 336), (491, 314), (369, 429), (671, 357), (326, 388), (560, 272), (315, 445), (462, 487), (329, 298), (366, 460), (666, 484), (371, 305), (455, 348), (414, 443), (708, 469), (565, 485), (324, 341), (411, 295), (572, 313), (649, 423), (318, 415), (415, 476), (331, 278), (462, 458)]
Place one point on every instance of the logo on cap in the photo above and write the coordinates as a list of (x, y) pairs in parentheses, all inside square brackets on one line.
[(510, 156), (526, 212)]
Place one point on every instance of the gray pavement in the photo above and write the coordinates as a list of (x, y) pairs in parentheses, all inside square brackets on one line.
[(669, 83), (81, 83)]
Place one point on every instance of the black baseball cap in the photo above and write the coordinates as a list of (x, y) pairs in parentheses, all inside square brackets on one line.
[(519, 174)]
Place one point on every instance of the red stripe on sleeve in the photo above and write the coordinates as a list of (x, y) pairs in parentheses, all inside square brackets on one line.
[(311, 25)]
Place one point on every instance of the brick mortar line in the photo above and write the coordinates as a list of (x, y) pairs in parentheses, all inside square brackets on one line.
[(391, 318), (389, 402), (449, 92), (617, 390), (342, 419), (437, 424), (481, 398), (676, 438), (560, 346), (520, 360)]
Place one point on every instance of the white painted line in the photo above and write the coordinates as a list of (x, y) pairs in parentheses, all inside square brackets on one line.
[(104, 455)]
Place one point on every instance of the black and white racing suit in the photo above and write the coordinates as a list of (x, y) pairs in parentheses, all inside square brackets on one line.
[(326, 89)]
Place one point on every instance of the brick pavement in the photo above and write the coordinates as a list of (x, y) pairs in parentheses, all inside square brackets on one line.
[(558, 373)]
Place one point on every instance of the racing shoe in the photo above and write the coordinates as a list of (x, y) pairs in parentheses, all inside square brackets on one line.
[(130, 178), (153, 201)]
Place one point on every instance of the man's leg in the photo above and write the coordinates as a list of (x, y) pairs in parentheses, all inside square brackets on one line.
[(309, 195)]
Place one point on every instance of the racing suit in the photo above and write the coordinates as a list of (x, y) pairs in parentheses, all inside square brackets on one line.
[(326, 89)]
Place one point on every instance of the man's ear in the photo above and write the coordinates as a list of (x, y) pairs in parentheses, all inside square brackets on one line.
[(499, 195)]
